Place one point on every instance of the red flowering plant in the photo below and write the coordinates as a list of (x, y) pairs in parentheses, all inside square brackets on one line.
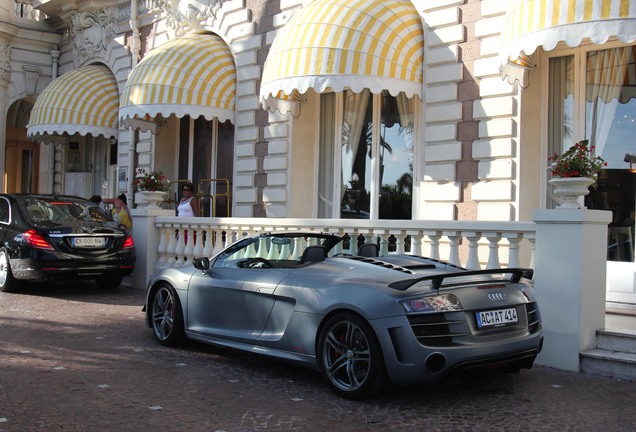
[(578, 161), (153, 181)]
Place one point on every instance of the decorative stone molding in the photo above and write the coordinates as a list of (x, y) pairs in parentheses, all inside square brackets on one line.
[(91, 34), (32, 73), (5, 61), (189, 15)]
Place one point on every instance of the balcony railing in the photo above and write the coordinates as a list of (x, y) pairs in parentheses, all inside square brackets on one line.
[(25, 11), (474, 245)]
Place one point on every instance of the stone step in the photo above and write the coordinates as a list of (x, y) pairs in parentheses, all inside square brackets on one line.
[(616, 341), (614, 356)]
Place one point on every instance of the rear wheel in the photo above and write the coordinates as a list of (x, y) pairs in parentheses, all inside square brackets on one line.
[(109, 282), (350, 357), (7, 282), (166, 316)]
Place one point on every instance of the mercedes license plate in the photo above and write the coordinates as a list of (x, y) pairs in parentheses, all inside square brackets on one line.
[(89, 242), (496, 318)]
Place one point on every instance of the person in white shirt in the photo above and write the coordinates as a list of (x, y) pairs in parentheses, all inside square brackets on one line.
[(188, 207), (189, 204)]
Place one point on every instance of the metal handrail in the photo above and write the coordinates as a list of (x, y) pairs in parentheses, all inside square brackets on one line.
[(214, 197)]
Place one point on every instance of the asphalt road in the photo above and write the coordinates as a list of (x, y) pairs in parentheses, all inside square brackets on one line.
[(74, 358)]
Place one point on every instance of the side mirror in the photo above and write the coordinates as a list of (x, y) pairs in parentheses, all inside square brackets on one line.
[(202, 264)]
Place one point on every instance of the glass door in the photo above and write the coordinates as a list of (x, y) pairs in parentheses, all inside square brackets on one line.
[(610, 125)]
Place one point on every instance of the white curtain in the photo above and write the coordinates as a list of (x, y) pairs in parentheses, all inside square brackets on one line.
[(605, 76), (405, 109), (326, 155), (355, 109), (560, 107)]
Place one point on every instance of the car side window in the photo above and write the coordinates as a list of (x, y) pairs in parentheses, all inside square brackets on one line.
[(231, 257), (4, 211)]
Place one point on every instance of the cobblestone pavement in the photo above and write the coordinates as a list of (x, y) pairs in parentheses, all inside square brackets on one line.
[(73, 358)]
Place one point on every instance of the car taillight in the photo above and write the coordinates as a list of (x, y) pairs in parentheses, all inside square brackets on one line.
[(128, 242), (36, 240), (434, 303)]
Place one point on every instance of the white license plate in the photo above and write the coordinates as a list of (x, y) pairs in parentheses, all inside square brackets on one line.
[(496, 318), (89, 242)]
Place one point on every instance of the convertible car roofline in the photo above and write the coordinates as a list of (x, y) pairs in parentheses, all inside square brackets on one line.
[(330, 239), (321, 234), (515, 276)]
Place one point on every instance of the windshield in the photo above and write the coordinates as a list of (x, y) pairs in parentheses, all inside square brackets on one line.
[(277, 250)]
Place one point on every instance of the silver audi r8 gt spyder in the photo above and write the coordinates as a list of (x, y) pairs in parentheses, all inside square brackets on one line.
[(358, 319)]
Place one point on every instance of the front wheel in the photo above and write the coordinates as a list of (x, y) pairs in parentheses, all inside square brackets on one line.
[(7, 282), (166, 316), (350, 357)]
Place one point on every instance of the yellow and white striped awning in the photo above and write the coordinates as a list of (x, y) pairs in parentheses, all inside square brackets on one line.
[(82, 101), (333, 45), (530, 24), (193, 75)]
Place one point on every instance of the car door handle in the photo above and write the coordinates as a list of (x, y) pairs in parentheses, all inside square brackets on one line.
[(267, 291)]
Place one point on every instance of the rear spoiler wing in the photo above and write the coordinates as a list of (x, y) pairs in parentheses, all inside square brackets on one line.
[(515, 276)]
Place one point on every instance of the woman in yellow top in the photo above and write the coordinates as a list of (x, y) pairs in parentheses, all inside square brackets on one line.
[(120, 211)]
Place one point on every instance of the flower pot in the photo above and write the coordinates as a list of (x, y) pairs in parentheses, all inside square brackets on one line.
[(570, 189), (151, 199)]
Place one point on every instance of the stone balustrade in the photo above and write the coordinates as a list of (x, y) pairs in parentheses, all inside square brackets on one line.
[(474, 245)]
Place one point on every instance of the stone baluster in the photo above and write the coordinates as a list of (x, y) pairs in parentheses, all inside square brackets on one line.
[(188, 251), (274, 252), (383, 246), (198, 245), (179, 251), (298, 248), (285, 252), (162, 248), (493, 249), (416, 242), (262, 248), (399, 242), (513, 249), (434, 236), (250, 251), (532, 238), (453, 256), (473, 250), (172, 244), (353, 243), (218, 242), (209, 242)]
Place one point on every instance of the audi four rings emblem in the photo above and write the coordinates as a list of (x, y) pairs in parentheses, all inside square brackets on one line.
[(496, 296)]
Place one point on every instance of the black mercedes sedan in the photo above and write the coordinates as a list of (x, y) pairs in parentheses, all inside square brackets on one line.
[(57, 238)]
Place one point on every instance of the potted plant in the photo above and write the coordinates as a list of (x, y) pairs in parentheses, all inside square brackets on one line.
[(574, 171), (152, 186)]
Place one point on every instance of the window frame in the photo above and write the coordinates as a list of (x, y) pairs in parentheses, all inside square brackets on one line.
[(579, 127), (375, 188)]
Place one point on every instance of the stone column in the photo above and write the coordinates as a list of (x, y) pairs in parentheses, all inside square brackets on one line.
[(5, 74), (146, 238), (570, 271), (7, 9)]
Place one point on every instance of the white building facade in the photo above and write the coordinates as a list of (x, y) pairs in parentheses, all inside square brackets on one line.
[(365, 109)]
